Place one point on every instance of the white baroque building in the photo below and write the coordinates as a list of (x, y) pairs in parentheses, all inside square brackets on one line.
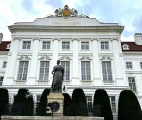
[(90, 51)]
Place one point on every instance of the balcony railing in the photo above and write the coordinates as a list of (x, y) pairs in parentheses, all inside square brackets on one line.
[(66, 82), (19, 82), (109, 82), (42, 82), (86, 82)]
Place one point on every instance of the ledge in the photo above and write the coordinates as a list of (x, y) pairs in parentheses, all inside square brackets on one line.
[(50, 118)]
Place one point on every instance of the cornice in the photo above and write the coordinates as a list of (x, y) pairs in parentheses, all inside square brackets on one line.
[(36, 28)]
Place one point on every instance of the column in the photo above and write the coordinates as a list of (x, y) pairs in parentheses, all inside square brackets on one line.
[(96, 64), (117, 62), (33, 62), (75, 72), (11, 62), (55, 56)]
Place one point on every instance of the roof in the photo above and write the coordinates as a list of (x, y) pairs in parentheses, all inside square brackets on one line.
[(3, 45), (132, 46)]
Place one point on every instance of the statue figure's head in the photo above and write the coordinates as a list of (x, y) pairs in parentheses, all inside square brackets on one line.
[(58, 62)]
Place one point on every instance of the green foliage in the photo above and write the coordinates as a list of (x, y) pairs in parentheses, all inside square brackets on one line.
[(67, 104), (3, 100), (79, 105), (41, 109), (101, 105), (128, 107), (23, 104)]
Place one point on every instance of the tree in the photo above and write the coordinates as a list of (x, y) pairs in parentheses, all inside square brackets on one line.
[(3, 100), (78, 104), (101, 105), (41, 109), (128, 106), (23, 104), (67, 104)]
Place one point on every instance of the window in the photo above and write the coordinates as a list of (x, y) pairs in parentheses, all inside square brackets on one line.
[(84, 45), (65, 45), (85, 70), (129, 65), (113, 104), (37, 103), (106, 70), (26, 45), (4, 64), (66, 65), (44, 70), (104, 45), (46, 45), (141, 65), (38, 98), (125, 47), (23, 70), (89, 104), (1, 80), (132, 83)]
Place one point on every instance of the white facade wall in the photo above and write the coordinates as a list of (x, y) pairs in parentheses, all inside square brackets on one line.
[(75, 35)]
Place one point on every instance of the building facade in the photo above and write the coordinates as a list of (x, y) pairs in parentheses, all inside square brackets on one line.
[(90, 51)]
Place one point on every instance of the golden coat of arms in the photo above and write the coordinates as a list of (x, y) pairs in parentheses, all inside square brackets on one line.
[(66, 11)]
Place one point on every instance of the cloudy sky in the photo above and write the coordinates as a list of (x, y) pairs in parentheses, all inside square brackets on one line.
[(125, 12)]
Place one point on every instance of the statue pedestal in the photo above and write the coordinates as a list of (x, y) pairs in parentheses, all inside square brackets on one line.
[(55, 104)]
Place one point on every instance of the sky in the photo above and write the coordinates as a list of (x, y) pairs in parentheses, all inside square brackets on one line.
[(127, 13)]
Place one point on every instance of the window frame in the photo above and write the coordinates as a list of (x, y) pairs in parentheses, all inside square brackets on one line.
[(4, 64), (134, 85), (141, 65), (44, 70), (115, 102), (85, 44), (26, 45), (46, 45), (1, 80), (22, 70), (106, 70), (65, 70), (87, 101), (104, 45), (65, 45), (86, 71), (128, 67)]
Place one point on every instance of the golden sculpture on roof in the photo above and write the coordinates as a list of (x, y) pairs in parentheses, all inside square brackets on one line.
[(66, 11)]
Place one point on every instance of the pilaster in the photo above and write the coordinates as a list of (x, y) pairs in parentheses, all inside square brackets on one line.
[(96, 63), (117, 62), (34, 60), (75, 75), (12, 61)]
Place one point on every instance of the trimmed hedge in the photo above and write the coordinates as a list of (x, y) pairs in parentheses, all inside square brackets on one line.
[(41, 109), (101, 105), (23, 104), (4, 100), (78, 104), (67, 104), (128, 107)]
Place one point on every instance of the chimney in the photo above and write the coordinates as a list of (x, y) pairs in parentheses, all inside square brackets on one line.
[(138, 38), (1, 37)]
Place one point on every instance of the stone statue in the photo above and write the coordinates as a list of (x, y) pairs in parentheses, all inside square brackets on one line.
[(58, 74)]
